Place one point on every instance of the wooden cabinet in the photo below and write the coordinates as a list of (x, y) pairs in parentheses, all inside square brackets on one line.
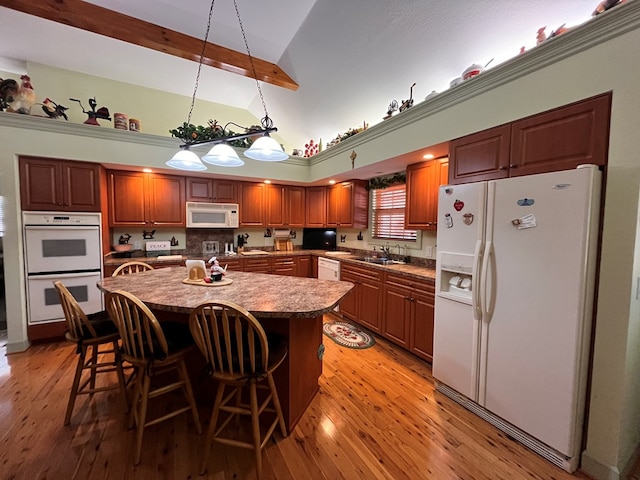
[(284, 206), (251, 203), (561, 139), (146, 199), (283, 266), (480, 156), (257, 264), (316, 207), (348, 205), (408, 313), (277, 265), (232, 264), (558, 139), (363, 304), (423, 182), (215, 190), (303, 265), (59, 185)]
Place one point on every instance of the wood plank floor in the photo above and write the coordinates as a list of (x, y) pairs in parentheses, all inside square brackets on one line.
[(377, 416)]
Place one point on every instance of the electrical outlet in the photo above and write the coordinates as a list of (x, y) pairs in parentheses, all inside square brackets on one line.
[(137, 245), (429, 252)]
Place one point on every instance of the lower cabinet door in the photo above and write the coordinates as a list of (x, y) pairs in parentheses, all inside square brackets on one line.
[(396, 315), (422, 326)]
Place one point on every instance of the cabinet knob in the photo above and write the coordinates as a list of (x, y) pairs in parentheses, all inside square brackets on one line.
[(502, 168), (513, 165)]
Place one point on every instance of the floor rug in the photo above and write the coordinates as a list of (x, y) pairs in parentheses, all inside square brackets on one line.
[(347, 335)]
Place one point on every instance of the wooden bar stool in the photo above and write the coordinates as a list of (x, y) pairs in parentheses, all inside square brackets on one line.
[(153, 349), (90, 333), (240, 356), (131, 267)]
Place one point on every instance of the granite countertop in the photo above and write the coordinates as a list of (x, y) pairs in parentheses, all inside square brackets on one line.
[(417, 270), (264, 295)]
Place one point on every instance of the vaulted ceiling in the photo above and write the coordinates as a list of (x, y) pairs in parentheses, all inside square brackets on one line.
[(328, 65)]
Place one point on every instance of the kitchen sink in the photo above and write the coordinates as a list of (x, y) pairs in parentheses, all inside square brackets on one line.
[(379, 260)]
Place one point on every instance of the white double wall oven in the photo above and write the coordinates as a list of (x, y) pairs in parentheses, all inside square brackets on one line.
[(66, 247)]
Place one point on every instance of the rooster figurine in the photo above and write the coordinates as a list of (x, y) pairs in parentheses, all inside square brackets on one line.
[(17, 98), (53, 110)]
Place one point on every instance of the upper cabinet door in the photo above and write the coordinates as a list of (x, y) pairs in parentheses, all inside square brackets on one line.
[(480, 156), (562, 138), (166, 201), (251, 200), (225, 191), (81, 186), (316, 207), (199, 189), (274, 205), (295, 206), (423, 181), (127, 198)]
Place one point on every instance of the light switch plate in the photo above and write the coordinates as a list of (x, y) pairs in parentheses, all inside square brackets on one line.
[(429, 252)]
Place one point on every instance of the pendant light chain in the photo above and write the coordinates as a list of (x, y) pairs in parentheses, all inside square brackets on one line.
[(204, 47), (266, 121)]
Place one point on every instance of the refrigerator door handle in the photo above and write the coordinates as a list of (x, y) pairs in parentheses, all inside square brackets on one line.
[(476, 299), (486, 289)]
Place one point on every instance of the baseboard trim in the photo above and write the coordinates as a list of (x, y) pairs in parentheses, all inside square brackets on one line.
[(17, 347)]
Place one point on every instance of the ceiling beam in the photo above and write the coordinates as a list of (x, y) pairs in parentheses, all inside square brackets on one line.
[(95, 19)]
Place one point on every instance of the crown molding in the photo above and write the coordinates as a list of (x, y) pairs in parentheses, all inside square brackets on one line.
[(606, 26)]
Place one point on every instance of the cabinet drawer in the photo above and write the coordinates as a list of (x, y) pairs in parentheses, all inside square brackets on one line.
[(256, 262), (279, 261), (425, 286), (362, 272)]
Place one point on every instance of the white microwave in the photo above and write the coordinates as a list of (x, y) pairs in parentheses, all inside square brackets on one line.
[(212, 215)]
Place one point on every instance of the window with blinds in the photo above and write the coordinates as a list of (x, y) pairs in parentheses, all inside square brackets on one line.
[(388, 205)]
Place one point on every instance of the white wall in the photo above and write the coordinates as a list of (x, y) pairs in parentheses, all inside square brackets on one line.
[(613, 430)]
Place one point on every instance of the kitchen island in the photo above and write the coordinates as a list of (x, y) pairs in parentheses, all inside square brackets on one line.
[(290, 306)]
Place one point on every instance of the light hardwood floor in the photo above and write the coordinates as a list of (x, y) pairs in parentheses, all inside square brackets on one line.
[(377, 416)]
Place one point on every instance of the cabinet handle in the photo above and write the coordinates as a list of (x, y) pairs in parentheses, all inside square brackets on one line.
[(513, 165), (502, 168)]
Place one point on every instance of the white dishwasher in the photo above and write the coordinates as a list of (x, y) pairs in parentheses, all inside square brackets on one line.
[(328, 269)]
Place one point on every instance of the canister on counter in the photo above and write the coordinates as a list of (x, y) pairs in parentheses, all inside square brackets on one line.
[(134, 125), (121, 121)]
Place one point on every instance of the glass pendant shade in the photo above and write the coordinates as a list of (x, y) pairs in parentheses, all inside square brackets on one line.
[(222, 155), (185, 159), (266, 149)]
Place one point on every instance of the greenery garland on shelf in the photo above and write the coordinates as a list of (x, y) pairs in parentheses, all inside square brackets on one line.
[(378, 183), (191, 133)]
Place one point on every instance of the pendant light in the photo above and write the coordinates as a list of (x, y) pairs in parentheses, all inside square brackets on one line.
[(264, 149), (185, 159), (222, 155)]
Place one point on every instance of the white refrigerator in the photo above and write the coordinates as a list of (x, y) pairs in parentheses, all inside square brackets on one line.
[(514, 301)]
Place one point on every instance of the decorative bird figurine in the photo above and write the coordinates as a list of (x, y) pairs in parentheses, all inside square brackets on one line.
[(53, 110), (17, 98), (102, 112)]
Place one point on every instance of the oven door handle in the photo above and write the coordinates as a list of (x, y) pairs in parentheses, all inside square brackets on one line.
[(62, 227), (52, 276)]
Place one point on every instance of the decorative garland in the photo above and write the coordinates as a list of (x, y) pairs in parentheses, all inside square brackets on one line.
[(379, 183), (349, 133), (191, 133)]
